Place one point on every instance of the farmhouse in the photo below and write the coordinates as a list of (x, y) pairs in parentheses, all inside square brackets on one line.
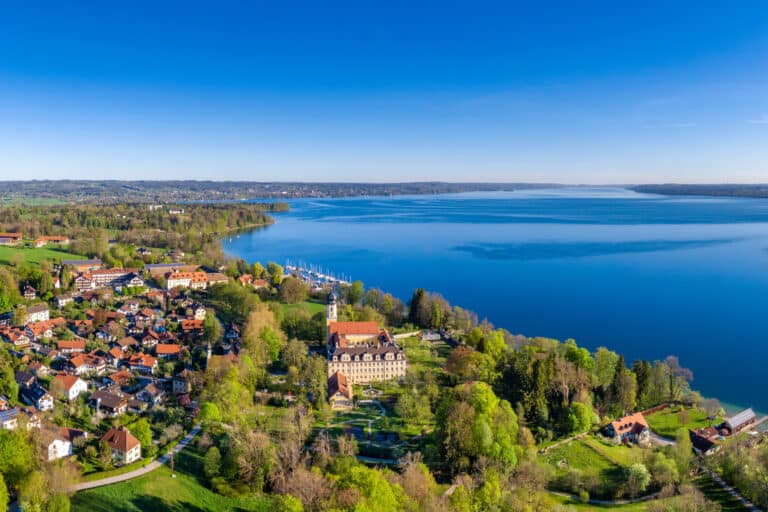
[(631, 428), (42, 241), (10, 238)]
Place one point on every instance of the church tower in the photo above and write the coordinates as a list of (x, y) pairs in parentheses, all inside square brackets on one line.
[(331, 313)]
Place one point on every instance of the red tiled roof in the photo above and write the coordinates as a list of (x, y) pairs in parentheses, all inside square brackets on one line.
[(72, 345), (629, 423), (120, 439), (167, 349), (353, 328), (67, 380)]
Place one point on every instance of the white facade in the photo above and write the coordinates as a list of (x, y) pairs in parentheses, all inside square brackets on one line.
[(59, 448)]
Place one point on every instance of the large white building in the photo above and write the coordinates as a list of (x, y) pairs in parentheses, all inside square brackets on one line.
[(362, 351)]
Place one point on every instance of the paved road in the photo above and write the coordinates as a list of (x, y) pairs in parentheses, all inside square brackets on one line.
[(141, 471)]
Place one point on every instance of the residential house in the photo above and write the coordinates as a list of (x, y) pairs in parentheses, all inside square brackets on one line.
[(71, 346), (83, 265), (10, 238), (216, 278), (86, 364), (9, 418), (70, 385), (245, 279), (38, 369), (15, 337), (36, 395), (24, 379), (29, 292), (152, 394), (125, 447), (55, 446), (630, 428), (150, 339), (127, 343), (37, 313), (134, 280), (192, 327), (182, 382), (110, 402), (84, 282), (82, 328), (340, 395), (192, 280), (167, 350), (42, 241), (115, 356), (142, 363), (705, 441), (120, 378), (62, 300)]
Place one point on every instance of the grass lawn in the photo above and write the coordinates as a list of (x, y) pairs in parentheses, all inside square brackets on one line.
[(312, 307), (592, 465), (620, 455), (34, 255), (714, 492), (634, 507), (668, 422), (425, 354), (157, 491)]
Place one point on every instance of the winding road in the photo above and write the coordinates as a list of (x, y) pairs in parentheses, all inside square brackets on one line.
[(141, 471)]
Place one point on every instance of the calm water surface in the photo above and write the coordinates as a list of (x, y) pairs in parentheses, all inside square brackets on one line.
[(644, 275)]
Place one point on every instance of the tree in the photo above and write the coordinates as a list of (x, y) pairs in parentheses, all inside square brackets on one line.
[(677, 378), (473, 423), (355, 293), (712, 407), (682, 451), (605, 367), (20, 315), (212, 463), (142, 431), (419, 312), (209, 412), (293, 291), (4, 496), (59, 502), (579, 418), (212, 330), (258, 271), (638, 478), (275, 272)]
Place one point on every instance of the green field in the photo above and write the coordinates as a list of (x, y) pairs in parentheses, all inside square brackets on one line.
[(668, 422), (633, 507), (312, 307), (33, 255), (157, 491), (592, 464)]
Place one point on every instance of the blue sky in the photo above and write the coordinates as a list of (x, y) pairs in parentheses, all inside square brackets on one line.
[(573, 92)]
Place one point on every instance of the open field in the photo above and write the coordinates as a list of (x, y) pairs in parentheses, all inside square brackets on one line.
[(582, 507), (158, 491), (592, 464), (668, 422), (33, 255), (312, 307)]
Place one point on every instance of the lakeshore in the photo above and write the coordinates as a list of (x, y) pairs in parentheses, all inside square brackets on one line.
[(555, 263)]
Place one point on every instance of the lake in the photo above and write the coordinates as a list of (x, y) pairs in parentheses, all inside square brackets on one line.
[(644, 275)]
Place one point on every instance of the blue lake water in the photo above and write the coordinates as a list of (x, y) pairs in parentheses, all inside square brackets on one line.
[(644, 275)]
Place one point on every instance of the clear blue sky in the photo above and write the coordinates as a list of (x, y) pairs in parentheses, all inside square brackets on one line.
[(576, 92)]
